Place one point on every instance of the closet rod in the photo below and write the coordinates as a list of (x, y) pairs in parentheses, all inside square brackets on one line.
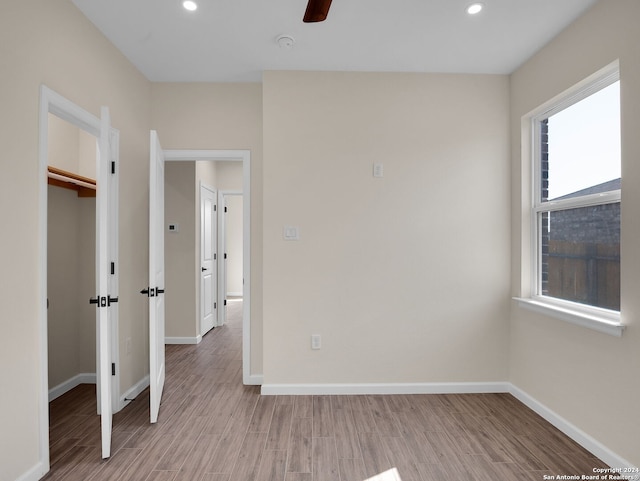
[(63, 175)]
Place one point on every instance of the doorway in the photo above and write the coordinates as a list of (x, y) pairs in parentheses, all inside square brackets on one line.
[(243, 156), (230, 242), (71, 257), (104, 141)]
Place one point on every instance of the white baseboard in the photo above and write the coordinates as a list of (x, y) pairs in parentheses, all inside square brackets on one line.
[(69, 384), (583, 439), (579, 436), (234, 294), (34, 474), (133, 391), (183, 340), (253, 380), (385, 388)]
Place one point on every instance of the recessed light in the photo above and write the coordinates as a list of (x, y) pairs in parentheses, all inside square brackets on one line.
[(190, 5), (475, 8)]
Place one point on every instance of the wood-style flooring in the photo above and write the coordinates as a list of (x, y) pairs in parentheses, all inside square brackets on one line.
[(212, 428)]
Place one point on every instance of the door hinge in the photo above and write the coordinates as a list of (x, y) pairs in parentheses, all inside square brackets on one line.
[(215, 305), (215, 208), (225, 302), (215, 257), (113, 268), (113, 368), (225, 255), (225, 209), (113, 166)]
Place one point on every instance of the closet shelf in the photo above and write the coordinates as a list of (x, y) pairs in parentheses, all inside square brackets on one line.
[(84, 186)]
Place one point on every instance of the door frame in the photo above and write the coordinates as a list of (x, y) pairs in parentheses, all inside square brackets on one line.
[(243, 156), (222, 243), (53, 103)]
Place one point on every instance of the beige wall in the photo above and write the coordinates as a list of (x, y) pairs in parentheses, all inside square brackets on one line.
[(220, 116), (406, 277), (52, 43), (590, 379), (71, 148), (180, 206), (71, 263), (206, 172), (63, 145)]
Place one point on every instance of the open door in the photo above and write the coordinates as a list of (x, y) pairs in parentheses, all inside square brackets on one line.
[(208, 260), (155, 291), (106, 252)]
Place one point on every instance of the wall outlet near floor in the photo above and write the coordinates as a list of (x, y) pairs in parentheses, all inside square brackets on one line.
[(316, 341)]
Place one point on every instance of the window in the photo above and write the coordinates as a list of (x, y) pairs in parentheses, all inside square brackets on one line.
[(576, 203)]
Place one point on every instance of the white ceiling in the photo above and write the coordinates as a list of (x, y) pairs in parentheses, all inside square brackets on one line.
[(235, 40)]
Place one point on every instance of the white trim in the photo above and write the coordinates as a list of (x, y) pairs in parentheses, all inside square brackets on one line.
[(580, 91), (183, 340), (572, 314), (233, 294), (197, 155), (34, 474), (579, 436), (69, 384), (253, 380), (592, 317), (133, 392), (610, 197), (243, 156), (385, 388)]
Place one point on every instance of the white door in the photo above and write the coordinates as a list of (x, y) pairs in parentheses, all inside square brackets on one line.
[(208, 260), (156, 275), (106, 253)]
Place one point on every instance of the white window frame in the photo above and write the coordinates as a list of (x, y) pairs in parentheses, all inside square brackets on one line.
[(602, 320)]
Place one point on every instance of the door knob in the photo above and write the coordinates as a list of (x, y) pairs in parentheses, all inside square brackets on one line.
[(204, 269)]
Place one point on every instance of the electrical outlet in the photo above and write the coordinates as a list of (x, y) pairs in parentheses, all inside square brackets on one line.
[(316, 341)]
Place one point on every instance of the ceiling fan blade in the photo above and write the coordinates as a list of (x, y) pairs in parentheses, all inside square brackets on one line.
[(317, 11)]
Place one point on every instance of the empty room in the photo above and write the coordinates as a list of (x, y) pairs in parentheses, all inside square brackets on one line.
[(436, 251)]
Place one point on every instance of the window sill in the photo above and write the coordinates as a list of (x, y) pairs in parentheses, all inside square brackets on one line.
[(604, 324)]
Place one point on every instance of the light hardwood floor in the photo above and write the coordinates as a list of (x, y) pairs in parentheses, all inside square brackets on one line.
[(212, 428)]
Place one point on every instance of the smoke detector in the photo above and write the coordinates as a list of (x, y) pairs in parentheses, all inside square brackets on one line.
[(285, 41)]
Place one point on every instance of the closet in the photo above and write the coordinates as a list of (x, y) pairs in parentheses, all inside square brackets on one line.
[(71, 221)]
